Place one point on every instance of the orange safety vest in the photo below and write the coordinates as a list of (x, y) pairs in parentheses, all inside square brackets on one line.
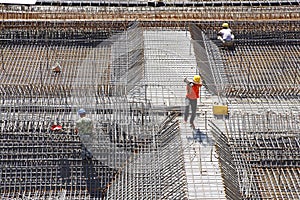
[(193, 91)]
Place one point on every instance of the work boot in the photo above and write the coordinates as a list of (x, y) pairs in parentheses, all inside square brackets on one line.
[(192, 125)]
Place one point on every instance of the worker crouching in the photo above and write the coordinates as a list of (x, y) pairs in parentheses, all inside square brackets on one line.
[(225, 36)]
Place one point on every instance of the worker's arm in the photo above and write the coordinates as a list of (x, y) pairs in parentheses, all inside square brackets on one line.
[(188, 82), (220, 33)]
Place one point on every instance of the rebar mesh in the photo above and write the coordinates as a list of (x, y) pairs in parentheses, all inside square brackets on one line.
[(154, 174), (271, 150), (169, 15), (264, 147), (262, 65), (227, 164), (274, 75), (100, 75), (90, 68), (137, 151)]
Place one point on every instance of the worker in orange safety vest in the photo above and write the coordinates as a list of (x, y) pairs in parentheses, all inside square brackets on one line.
[(192, 94)]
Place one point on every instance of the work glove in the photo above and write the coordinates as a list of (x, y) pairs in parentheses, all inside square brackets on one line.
[(190, 83)]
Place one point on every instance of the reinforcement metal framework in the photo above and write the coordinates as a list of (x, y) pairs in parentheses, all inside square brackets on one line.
[(264, 148), (258, 141), (264, 62), (138, 151), (133, 142)]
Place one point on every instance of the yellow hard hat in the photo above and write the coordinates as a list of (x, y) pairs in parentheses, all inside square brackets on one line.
[(197, 78), (225, 25)]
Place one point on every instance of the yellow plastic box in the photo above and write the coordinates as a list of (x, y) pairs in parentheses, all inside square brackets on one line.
[(220, 110)]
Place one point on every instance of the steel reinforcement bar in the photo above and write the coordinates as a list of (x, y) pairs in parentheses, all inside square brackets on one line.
[(265, 152), (147, 15)]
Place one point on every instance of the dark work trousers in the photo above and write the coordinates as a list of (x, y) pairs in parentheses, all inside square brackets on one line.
[(85, 153), (86, 141), (193, 104)]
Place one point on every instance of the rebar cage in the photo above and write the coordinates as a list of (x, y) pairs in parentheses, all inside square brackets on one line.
[(257, 142), (138, 154), (100, 73)]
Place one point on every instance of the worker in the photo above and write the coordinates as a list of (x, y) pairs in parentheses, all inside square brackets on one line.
[(225, 35), (84, 128), (192, 94)]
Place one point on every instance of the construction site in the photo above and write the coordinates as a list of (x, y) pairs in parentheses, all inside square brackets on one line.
[(125, 62)]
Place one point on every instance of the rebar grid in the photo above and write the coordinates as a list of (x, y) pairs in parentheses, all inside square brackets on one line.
[(138, 2), (258, 143), (264, 148), (228, 166), (87, 71), (132, 145), (158, 172), (263, 65), (263, 105), (144, 13), (168, 63), (264, 122), (264, 70), (131, 142), (43, 164), (258, 29)]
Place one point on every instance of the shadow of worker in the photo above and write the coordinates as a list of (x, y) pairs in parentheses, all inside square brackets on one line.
[(89, 179), (98, 176), (93, 179), (202, 137)]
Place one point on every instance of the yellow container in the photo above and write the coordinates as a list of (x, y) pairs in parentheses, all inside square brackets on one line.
[(220, 110)]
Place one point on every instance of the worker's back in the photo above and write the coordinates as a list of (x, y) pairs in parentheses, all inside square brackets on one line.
[(85, 126), (226, 34)]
